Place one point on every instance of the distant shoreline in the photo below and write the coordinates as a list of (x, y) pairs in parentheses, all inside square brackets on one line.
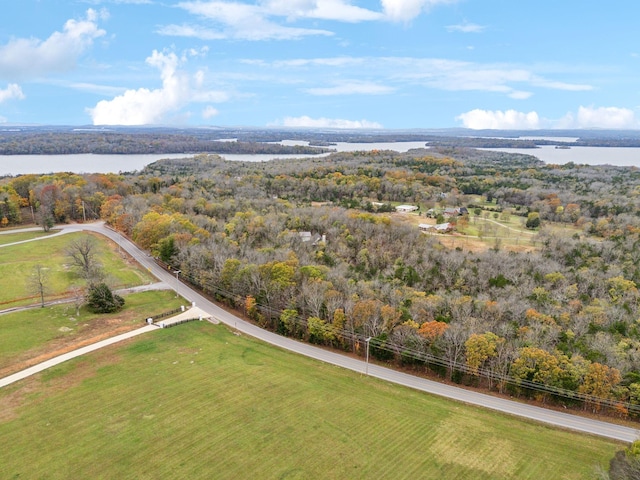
[(11, 165)]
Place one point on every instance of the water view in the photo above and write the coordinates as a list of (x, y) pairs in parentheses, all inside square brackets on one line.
[(90, 163), (620, 156), (81, 163)]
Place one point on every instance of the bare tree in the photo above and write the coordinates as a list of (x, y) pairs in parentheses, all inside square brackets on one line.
[(82, 253), (38, 282), (78, 294)]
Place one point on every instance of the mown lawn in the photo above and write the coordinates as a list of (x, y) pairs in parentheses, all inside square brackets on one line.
[(29, 333), (17, 264), (7, 237), (198, 402)]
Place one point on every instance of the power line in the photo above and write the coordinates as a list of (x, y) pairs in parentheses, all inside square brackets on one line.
[(427, 358)]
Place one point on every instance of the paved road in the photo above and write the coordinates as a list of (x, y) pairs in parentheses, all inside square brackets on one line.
[(558, 419), (31, 229)]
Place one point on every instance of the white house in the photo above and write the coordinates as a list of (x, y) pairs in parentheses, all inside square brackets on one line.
[(440, 227), (406, 208)]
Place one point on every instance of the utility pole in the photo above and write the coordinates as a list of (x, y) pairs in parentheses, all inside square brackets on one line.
[(84, 214)]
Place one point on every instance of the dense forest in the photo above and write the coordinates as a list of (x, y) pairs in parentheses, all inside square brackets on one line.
[(313, 249), (132, 140), (67, 143)]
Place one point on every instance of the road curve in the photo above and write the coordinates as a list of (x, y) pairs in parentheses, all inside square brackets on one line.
[(551, 417)]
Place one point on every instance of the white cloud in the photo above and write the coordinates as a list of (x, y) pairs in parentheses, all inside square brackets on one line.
[(263, 19), (190, 31), (456, 75), (602, 117), (13, 91), (308, 122), (406, 10), (28, 57), (325, 62), (520, 95), (570, 87), (209, 112), (498, 120), (351, 88), (144, 106), (383, 75), (585, 117), (95, 88), (238, 21), (337, 10), (466, 27), (119, 2)]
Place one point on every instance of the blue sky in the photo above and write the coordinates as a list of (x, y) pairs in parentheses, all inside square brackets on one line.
[(393, 64)]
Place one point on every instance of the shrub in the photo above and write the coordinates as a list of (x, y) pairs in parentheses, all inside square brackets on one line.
[(100, 299)]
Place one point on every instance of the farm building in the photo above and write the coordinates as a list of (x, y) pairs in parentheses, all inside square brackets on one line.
[(406, 208), (439, 228)]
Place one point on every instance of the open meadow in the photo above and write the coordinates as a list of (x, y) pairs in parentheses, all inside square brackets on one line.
[(198, 401), (17, 263), (30, 336)]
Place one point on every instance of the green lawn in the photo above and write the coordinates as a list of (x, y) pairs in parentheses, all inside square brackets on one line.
[(26, 334), (196, 401), (6, 238), (17, 265)]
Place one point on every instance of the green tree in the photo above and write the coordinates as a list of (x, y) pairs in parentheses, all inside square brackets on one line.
[(320, 331), (100, 299), (289, 320), (533, 220), (167, 248)]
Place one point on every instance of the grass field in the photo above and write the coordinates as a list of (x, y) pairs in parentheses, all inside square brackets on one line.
[(29, 334), (197, 401), (17, 264), (6, 237)]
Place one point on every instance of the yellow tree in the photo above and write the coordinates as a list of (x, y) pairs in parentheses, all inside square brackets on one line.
[(600, 382), (479, 348), (339, 319), (251, 307), (539, 366)]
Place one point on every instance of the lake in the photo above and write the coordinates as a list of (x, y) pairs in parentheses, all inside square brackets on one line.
[(619, 156), (89, 163), (81, 163)]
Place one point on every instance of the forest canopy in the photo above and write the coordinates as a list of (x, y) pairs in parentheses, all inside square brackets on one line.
[(313, 248)]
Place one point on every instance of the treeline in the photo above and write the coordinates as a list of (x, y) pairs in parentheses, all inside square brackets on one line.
[(67, 143), (292, 245), (139, 140)]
